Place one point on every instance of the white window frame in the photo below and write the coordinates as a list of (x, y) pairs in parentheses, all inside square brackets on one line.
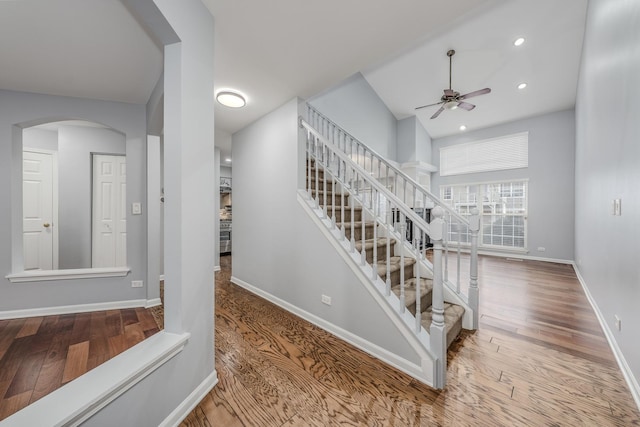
[(464, 208)]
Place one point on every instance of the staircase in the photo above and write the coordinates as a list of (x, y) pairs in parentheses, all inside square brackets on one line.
[(373, 246), (370, 208)]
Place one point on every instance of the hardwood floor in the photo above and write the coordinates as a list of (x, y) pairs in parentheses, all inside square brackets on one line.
[(539, 358), (40, 354)]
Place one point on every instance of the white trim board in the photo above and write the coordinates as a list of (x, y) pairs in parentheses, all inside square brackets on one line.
[(409, 368), (78, 273), (77, 401), (79, 308), (622, 362), (189, 404)]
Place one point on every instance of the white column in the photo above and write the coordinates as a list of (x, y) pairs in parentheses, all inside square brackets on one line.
[(437, 331)]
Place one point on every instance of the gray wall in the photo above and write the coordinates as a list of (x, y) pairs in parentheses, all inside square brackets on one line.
[(189, 209), (75, 146), (413, 141), (354, 106), (31, 109), (608, 167), (280, 250), (550, 174), (40, 138)]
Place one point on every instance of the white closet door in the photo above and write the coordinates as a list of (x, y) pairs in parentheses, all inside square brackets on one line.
[(109, 237)]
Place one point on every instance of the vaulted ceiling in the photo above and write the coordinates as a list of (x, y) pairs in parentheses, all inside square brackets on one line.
[(275, 50)]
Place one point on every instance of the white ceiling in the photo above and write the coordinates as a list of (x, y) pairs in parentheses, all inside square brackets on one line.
[(81, 48), (275, 50), (548, 62)]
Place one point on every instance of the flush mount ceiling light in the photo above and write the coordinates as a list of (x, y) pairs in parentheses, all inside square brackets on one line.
[(227, 159), (518, 41), (231, 99), (463, 128), (522, 85)]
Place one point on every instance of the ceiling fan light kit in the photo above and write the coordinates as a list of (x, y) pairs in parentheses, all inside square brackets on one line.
[(452, 100)]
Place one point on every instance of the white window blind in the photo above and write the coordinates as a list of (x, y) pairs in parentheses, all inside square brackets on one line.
[(505, 152)]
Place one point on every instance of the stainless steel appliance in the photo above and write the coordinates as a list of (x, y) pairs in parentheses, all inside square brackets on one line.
[(225, 236)]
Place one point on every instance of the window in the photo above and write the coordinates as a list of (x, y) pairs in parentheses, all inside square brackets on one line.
[(505, 152), (503, 212)]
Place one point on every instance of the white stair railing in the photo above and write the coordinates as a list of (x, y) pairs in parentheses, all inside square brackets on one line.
[(330, 168), (460, 233)]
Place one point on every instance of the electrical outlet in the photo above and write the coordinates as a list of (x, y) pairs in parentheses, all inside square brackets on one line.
[(541, 249), (326, 299), (618, 323), (137, 283)]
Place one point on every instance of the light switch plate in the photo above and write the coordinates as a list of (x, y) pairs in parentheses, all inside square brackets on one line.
[(136, 208)]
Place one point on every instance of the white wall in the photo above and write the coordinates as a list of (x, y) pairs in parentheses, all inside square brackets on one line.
[(354, 106), (608, 167), (280, 250), (550, 173)]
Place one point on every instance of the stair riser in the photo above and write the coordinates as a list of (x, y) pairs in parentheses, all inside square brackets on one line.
[(358, 232), (395, 275), (347, 214), (320, 184), (382, 254), (313, 174), (425, 302)]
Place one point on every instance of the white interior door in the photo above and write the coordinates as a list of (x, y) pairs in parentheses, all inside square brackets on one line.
[(109, 211), (39, 210)]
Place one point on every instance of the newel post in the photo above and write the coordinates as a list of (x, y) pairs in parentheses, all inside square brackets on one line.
[(474, 294), (437, 332)]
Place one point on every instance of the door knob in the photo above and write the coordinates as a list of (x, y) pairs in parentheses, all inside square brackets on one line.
[(46, 225)]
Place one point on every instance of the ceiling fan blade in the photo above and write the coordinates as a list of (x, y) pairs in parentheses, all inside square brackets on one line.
[(476, 93), (440, 110), (466, 106), (449, 93), (430, 105)]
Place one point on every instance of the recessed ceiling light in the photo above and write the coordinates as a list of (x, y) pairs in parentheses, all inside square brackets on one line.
[(228, 159), (518, 41), (522, 85), (231, 99), (463, 128)]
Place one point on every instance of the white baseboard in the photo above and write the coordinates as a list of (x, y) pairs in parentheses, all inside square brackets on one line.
[(410, 368), (187, 405), (632, 382), (68, 309), (161, 277), (153, 302), (216, 268)]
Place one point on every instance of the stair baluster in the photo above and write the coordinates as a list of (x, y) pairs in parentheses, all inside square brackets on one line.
[(374, 202), (403, 233), (415, 232), (389, 226), (474, 296)]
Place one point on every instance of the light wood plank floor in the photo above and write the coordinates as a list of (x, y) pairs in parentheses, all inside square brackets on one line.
[(538, 359)]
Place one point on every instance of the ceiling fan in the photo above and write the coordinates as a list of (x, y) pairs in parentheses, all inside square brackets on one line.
[(452, 99)]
